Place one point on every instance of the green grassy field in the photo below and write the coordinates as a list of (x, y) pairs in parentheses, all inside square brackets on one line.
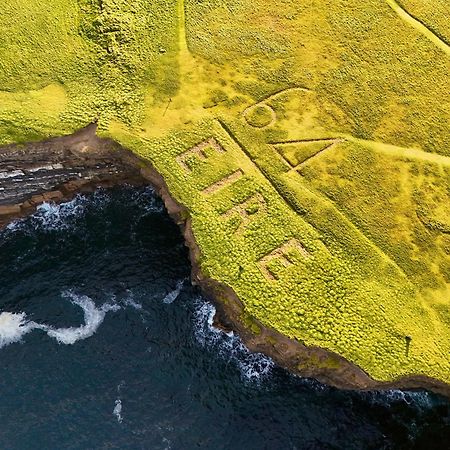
[(308, 139)]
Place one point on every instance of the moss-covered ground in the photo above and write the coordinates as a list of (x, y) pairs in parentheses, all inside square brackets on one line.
[(308, 139)]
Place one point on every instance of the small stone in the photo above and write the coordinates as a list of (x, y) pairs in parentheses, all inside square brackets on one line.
[(37, 200), (53, 195), (9, 210), (26, 205), (75, 185), (39, 168)]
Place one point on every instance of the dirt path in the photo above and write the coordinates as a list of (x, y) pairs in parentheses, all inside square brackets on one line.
[(182, 37), (419, 26)]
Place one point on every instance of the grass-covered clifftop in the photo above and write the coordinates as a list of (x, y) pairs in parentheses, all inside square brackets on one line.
[(309, 141)]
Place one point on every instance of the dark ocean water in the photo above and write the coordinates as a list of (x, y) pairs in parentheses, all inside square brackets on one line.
[(105, 345)]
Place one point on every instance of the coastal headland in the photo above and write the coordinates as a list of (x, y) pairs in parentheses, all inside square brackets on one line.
[(303, 147), (57, 169)]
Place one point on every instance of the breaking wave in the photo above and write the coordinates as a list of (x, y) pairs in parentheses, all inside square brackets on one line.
[(254, 367), (67, 215), (51, 216), (418, 399)]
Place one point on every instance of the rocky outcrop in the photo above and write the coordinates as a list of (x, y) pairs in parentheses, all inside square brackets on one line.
[(56, 169)]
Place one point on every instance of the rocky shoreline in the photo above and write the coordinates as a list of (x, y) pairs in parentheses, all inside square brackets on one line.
[(59, 168)]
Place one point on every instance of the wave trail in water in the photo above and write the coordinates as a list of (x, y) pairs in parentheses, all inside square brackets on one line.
[(130, 301), (13, 326), (93, 317)]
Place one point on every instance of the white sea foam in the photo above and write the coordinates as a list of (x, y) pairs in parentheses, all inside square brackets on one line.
[(52, 216), (14, 226), (13, 327), (173, 295), (65, 216), (93, 317), (167, 443), (254, 367), (118, 410), (418, 399), (62, 216), (130, 301), (421, 398)]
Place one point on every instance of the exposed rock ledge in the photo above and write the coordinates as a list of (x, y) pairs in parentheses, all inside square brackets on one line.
[(56, 169)]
